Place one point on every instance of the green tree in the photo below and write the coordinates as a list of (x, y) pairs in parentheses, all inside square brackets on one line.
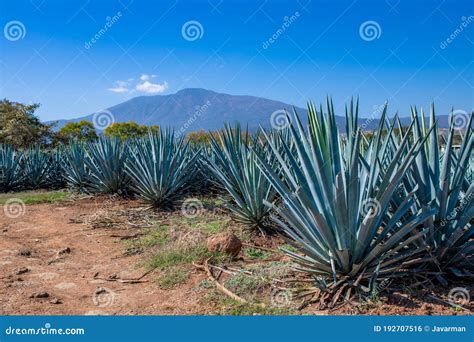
[(128, 130), (79, 131), (20, 127), (199, 138)]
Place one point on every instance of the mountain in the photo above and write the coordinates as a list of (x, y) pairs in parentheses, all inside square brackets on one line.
[(193, 109)]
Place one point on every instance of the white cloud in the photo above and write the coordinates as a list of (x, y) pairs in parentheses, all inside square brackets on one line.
[(144, 86), (152, 88), (145, 77), (120, 87)]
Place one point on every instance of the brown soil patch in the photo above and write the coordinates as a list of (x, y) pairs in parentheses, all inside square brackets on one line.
[(74, 252), (46, 229)]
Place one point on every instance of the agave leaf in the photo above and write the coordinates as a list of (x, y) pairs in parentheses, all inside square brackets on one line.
[(106, 161), (322, 185), (161, 167), (11, 176), (234, 165)]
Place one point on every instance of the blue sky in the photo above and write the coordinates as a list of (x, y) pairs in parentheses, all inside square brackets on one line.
[(411, 53)]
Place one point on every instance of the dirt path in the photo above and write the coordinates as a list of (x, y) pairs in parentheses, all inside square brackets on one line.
[(64, 259)]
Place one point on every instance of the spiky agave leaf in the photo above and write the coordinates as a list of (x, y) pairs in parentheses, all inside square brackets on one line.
[(441, 177), (161, 167), (234, 165), (36, 166), (337, 203), (106, 160), (10, 169), (55, 178), (203, 182), (76, 172)]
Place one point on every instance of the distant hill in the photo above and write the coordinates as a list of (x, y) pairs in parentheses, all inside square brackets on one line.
[(193, 109)]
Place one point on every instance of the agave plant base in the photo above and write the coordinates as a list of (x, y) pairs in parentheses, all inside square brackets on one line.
[(338, 294)]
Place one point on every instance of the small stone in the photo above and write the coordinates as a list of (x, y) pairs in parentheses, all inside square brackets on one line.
[(41, 294), (66, 250), (224, 243), (21, 270), (56, 301), (47, 275), (51, 261), (100, 290), (25, 252), (65, 286)]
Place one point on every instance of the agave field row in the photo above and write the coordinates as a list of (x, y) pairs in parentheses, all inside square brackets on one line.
[(358, 209)]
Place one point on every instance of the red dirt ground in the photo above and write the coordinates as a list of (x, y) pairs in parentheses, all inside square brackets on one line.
[(71, 279), (44, 230)]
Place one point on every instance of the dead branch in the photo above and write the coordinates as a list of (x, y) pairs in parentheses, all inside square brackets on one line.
[(126, 237), (221, 287), (127, 280)]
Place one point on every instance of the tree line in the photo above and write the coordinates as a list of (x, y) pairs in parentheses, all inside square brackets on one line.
[(21, 128)]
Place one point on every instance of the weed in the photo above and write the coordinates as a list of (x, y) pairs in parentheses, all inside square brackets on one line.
[(168, 257), (234, 308), (211, 227), (256, 254), (156, 237), (206, 284), (289, 248), (172, 277), (176, 255), (260, 280), (229, 307), (245, 284), (213, 202), (35, 197), (205, 224)]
